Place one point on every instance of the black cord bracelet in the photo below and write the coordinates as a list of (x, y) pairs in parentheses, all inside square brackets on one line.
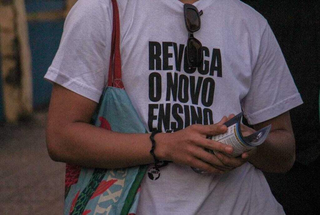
[(153, 142)]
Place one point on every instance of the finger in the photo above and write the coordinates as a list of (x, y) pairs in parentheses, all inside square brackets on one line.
[(230, 161), (245, 155), (246, 131), (212, 130), (223, 120), (211, 159), (231, 116), (216, 146), (248, 154), (207, 168)]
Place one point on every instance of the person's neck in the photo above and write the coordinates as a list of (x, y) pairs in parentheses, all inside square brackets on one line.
[(188, 1)]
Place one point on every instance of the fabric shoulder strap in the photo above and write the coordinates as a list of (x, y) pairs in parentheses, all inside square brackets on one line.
[(114, 78)]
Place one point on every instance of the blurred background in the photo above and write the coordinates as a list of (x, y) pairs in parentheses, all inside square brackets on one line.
[(30, 32)]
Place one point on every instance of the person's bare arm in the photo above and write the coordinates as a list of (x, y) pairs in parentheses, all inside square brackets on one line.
[(71, 139), (277, 153)]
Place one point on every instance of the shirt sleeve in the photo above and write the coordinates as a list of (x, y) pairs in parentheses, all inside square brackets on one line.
[(272, 91), (82, 60)]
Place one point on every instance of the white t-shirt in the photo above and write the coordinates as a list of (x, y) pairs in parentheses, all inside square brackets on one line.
[(244, 70)]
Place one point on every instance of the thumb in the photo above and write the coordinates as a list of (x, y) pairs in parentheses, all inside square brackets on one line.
[(223, 120), (216, 129)]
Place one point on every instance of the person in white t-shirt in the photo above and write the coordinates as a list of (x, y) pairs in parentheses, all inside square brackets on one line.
[(242, 69)]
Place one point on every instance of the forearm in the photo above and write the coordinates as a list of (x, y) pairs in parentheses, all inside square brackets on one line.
[(71, 139), (277, 154), (86, 145)]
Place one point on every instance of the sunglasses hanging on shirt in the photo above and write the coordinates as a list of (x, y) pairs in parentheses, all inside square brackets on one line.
[(193, 53)]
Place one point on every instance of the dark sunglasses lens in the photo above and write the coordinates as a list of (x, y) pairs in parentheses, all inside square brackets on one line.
[(194, 52), (192, 20)]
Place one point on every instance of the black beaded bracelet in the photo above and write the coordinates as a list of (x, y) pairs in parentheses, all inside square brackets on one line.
[(153, 142)]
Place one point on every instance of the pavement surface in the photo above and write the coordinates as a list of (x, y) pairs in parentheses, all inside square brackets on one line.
[(30, 182)]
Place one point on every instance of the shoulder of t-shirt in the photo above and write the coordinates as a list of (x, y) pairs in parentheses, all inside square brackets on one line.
[(92, 7), (245, 12), (89, 14), (93, 3)]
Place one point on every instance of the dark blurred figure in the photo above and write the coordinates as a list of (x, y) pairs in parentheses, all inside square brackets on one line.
[(296, 26)]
